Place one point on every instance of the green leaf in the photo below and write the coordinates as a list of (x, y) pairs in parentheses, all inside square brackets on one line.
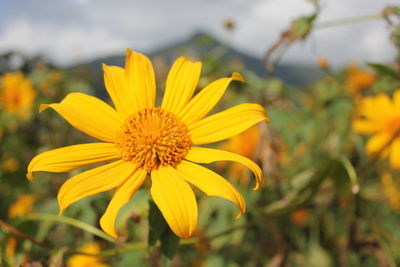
[(392, 10), (160, 231), (157, 224), (384, 70), (302, 26), (76, 223), (169, 244)]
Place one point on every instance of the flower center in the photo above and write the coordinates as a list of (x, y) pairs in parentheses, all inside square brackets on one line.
[(153, 137)]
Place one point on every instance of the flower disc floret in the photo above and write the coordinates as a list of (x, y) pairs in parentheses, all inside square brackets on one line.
[(153, 137)]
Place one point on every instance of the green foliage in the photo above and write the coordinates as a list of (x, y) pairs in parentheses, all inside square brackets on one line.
[(160, 231)]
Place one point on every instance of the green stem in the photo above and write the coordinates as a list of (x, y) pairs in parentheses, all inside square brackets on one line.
[(132, 247), (78, 224), (351, 172), (344, 21)]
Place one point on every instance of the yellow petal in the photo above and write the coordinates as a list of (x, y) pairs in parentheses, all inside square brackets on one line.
[(384, 104), (175, 199), (395, 154), (206, 99), (226, 124), (122, 195), (377, 142), (89, 115), (211, 183), (181, 83), (139, 74), (209, 155), (124, 99), (396, 100), (94, 181), (367, 108), (72, 157), (366, 126)]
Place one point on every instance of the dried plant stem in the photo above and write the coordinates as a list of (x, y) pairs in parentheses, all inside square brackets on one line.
[(345, 21), (16, 232)]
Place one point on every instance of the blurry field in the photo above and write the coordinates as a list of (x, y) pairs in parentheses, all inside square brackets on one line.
[(330, 157)]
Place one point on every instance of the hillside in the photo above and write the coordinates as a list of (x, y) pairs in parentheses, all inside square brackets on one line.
[(199, 45)]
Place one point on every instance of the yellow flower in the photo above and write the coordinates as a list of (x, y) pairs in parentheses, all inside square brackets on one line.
[(380, 116), (11, 245), (85, 260), (246, 145), (17, 94), (22, 206), (9, 165), (142, 139), (358, 79), (391, 191), (323, 62)]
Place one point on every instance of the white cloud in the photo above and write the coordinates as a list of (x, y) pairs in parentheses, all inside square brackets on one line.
[(64, 46), (67, 31)]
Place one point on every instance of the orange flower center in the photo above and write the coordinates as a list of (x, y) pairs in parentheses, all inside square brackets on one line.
[(153, 137)]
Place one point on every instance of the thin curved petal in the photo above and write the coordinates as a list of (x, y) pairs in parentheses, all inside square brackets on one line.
[(139, 74), (93, 182), (72, 157), (206, 99), (124, 99), (89, 115), (226, 124), (209, 155), (211, 183), (181, 83), (377, 142), (395, 154), (122, 195), (175, 199)]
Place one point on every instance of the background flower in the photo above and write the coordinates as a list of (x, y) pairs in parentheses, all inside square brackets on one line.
[(380, 116), (17, 94)]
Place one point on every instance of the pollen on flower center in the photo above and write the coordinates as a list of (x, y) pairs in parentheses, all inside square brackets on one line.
[(153, 137)]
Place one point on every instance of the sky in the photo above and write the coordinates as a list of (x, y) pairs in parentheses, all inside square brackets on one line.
[(71, 31)]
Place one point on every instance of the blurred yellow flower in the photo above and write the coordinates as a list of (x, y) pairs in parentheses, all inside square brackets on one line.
[(246, 145), (358, 79), (16, 94), (391, 191), (22, 206), (323, 62), (10, 164), (142, 139), (86, 260), (11, 245), (380, 116)]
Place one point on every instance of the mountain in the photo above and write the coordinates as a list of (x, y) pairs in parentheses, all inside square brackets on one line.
[(201, 44)]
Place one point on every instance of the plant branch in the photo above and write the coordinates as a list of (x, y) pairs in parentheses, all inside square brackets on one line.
[(16, 232), (333, 23)]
